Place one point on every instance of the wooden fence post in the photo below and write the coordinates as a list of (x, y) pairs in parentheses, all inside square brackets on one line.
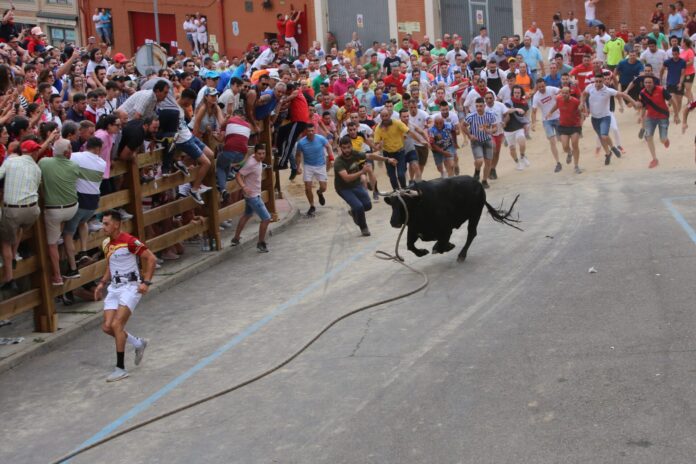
[(269, 183), (135, 205), (45, 318), (213, 203)]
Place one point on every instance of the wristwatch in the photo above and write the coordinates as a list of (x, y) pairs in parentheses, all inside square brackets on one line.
[(146, 282)]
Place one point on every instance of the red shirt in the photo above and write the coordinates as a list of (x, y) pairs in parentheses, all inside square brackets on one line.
[(583, 73), (280, 26), (570, 115), (289, 28), (299, 110), (398, 81), (237, 132), (623, 35), (578, 51), (658, 98)]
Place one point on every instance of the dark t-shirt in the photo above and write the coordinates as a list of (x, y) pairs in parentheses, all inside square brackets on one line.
[(388, 62), (132, 135), (71, 115), (674, 69), (352, 164), (516, 120)]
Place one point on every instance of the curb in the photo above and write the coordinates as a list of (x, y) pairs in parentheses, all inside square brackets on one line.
[(93, 321)]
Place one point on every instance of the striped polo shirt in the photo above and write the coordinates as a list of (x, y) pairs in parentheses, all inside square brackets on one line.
[(477, 122), (92, 168)]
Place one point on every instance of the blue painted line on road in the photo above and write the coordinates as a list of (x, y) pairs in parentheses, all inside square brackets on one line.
[(250, 330), (679, 217)]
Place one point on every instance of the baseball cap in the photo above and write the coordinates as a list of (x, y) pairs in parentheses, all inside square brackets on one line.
[(120, 58), (36, 30), (210, 91), (29, 146), (273, 74), (212, 75), (61, 147), (581, 38)]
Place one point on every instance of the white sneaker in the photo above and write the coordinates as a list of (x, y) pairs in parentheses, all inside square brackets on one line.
[(227, 223), (520, 165), (525, 160), (139, 352), (125, 215), (95, 226), (18, 257), (117, 374), (204, 188)]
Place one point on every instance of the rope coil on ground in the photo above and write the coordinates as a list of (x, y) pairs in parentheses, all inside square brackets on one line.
[(396, 257)]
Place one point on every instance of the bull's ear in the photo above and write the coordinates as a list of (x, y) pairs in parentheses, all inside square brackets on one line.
[(388, 200)]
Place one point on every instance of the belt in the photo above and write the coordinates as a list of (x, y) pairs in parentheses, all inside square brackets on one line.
[(61, 207), (20, 206)]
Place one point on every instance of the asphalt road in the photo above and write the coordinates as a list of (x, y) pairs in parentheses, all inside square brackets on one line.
[(518, 355)]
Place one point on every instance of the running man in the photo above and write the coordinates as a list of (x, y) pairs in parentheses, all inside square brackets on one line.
[(126, 286), (544, 99), (498, 110), (479, 126), (655, 113), (514, 124), (316, 150), (569, 125), (415, 135)]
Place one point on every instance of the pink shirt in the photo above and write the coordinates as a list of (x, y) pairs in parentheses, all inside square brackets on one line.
[(687, 55), (340, 88), (251, 173), (105, 153)]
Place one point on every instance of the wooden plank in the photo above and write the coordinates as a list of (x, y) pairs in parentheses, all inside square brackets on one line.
[(118, 168), (212, 205), (167, 183), (267, 183), (45, 319), (135, 205), (177, 235), (148, 158), (87, 274), (169, 210), (113, 200), (237, 209), (20, 303), (96, 238), (25, 267)]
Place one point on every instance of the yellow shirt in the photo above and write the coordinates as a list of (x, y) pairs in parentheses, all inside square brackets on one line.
[(358, 144), (352, 55), (391, 136)]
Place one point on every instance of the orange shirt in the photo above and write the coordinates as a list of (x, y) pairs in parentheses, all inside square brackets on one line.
[(524, 82)]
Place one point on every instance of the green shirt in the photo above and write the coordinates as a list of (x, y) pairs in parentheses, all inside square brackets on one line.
[(317, 81), (372, 69), (614, 50), (660, 39), (438, 51), (59, 178), (351, 164)]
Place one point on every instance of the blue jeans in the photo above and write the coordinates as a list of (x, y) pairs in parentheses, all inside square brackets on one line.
[(255, 205), (601, 125), (359, 201), (222, 166), (397, 174), (651, 124)]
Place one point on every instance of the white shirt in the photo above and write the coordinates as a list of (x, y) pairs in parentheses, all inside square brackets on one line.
[(470, 100), (590, 10), (404, 55), (378, 118), (451, 56), (657, 59), (565, 51), (535, 36), (189, 27), (481, 44), (453, 119), (228, 97), (546, 101), (265, 59), (505, 94), (420, 119), (498, 110), (364, 128), (599, 41), (599, 101), (571, 25)]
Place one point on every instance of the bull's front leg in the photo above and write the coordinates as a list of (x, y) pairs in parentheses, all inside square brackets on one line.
[(411, 243), (443, 244)]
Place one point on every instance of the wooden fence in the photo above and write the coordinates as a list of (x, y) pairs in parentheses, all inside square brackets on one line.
[(41, 296)]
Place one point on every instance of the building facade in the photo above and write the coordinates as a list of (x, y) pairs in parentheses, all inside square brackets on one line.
[(59, 19), (234, 25)]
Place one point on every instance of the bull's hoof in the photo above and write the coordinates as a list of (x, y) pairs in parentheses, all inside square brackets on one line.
[(419, 252), (445, 249), (461, 258)]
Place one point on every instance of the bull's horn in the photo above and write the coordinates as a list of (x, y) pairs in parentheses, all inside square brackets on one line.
[(411, 193)]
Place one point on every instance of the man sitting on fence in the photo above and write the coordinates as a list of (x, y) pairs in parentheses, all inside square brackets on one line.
[(249, 179), (20, 210)]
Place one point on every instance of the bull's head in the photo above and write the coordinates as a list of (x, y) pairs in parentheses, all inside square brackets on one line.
[(398, 218)]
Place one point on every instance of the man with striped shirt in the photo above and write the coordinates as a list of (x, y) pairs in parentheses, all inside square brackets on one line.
[(479, 126)]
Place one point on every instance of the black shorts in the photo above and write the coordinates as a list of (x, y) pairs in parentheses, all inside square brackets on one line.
[(674, 90), (569, 130), (689, 78)]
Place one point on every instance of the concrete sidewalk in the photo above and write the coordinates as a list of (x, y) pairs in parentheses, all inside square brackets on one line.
[(82, 316)]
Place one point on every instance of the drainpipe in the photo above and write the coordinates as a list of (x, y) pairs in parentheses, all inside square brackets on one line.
[(222, 43)]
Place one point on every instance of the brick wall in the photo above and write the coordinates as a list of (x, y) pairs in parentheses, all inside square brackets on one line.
[(611, 12), (411, 11)]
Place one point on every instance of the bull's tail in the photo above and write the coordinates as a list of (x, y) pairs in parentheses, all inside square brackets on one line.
[(502, 216)]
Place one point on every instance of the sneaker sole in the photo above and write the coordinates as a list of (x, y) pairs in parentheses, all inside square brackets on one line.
[(139, 359), (116, 379)]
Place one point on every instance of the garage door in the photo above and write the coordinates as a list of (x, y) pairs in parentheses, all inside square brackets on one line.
[(143, 28), (346, 16), (465, 17)]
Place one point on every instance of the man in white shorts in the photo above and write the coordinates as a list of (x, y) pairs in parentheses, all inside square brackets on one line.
[(126, 286), (544, 99), (498, 110), (315, 149)]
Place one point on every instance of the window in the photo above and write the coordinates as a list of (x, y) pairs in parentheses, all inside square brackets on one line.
[(62, 34)]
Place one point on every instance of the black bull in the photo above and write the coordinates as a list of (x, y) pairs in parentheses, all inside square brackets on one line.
[(437, 206)]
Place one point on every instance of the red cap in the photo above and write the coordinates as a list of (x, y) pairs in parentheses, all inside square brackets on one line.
[(29, 146), (120, 58)]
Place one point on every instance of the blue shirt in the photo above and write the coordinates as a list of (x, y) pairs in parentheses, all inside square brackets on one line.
[(442, 138), (628, 72), (477, 123), (674, 69), (531, 56), (675, 20), (553, 81), (266, 109), (313, 151)]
